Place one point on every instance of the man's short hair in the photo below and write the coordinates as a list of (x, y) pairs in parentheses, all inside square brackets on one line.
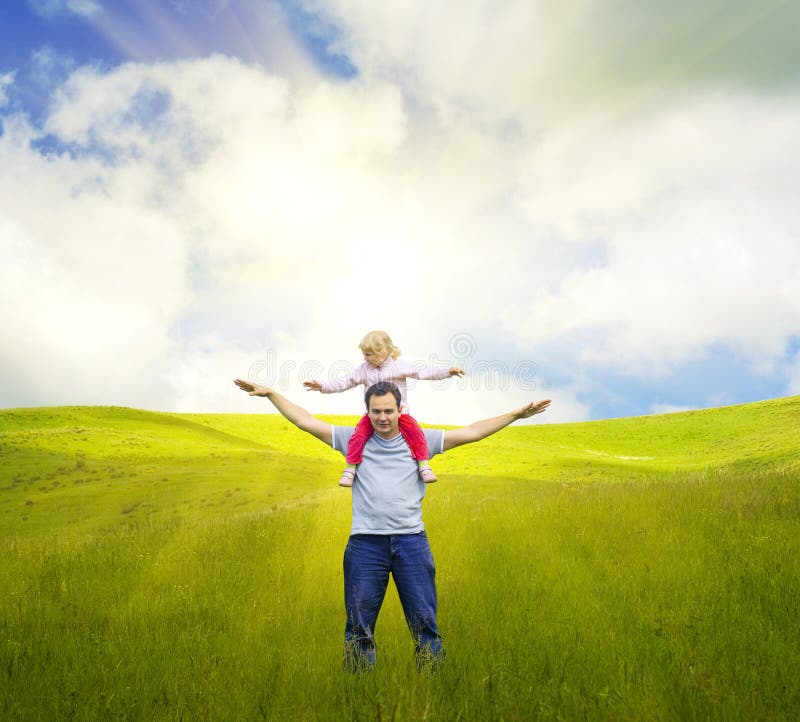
[(381, 389)]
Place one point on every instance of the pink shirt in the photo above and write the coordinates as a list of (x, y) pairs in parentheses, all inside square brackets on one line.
[(394, 370)]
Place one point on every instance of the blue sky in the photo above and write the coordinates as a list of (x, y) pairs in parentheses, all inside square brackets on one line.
[(593, 203)]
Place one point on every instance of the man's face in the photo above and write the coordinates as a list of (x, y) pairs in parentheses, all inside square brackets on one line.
[(384, 415)]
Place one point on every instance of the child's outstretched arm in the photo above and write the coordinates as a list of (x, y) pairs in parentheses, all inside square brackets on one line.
[(427, 373), (343, 383)]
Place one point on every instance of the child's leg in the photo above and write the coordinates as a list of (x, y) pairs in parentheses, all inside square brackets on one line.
[(415, 438), (355, 449), (359, 439)]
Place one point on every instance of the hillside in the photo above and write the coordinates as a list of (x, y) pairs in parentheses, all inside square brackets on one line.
[(83, 467), (188, 566), (762, 435)]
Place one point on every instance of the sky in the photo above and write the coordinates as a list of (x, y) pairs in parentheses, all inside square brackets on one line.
[(594, 202)]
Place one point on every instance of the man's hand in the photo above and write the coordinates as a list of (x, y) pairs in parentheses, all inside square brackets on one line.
[(313, 385), (455, 371), (293, 413), (532, 409), (252, 389)]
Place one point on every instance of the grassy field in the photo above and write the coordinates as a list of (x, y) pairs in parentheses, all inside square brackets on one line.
[(188, 567)]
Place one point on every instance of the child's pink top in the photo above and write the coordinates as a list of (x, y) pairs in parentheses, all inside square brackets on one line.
[(394, 370)]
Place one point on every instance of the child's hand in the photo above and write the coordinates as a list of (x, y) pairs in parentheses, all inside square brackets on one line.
[(454, 371), (313, 385)]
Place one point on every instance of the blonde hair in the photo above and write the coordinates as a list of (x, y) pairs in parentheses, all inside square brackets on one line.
[(378, 342)]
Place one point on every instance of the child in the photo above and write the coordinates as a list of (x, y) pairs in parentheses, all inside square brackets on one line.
[(382, 362)]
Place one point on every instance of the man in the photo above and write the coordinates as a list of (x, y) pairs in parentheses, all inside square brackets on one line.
[(387, 535)]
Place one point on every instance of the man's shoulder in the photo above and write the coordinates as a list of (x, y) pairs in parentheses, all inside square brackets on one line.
[(340, 435), (435, 439)]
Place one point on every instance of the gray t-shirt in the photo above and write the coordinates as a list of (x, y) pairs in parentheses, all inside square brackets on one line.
[(387, 493)]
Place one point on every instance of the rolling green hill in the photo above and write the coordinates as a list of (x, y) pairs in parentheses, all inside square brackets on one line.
[(81, 467), (188, 566)]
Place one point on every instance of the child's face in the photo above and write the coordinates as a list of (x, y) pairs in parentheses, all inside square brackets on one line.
[(375, 358)]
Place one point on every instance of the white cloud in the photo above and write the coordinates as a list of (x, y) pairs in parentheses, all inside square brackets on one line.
[(442, 57), (6, 80), (50, 68), (52, 8), (210, 8), (669, 408), (84, 7), (538, 64), (92, 277), (657, 222), (174, 204), (694, 210)]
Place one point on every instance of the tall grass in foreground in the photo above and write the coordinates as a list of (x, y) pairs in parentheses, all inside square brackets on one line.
[(672, 598)]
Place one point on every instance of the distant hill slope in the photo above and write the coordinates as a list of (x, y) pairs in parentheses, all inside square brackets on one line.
[(86, 467), (761, 435), (89, 465)]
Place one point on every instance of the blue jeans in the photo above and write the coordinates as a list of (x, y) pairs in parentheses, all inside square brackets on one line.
[(368, 561)]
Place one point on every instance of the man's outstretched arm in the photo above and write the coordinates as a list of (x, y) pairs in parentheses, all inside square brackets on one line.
[(481, 429), (294, 413)]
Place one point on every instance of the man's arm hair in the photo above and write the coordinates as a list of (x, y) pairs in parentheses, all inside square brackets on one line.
[(292, 412), (481, 429)]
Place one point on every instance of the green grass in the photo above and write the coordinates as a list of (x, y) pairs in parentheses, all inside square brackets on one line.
[(163, 566)]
